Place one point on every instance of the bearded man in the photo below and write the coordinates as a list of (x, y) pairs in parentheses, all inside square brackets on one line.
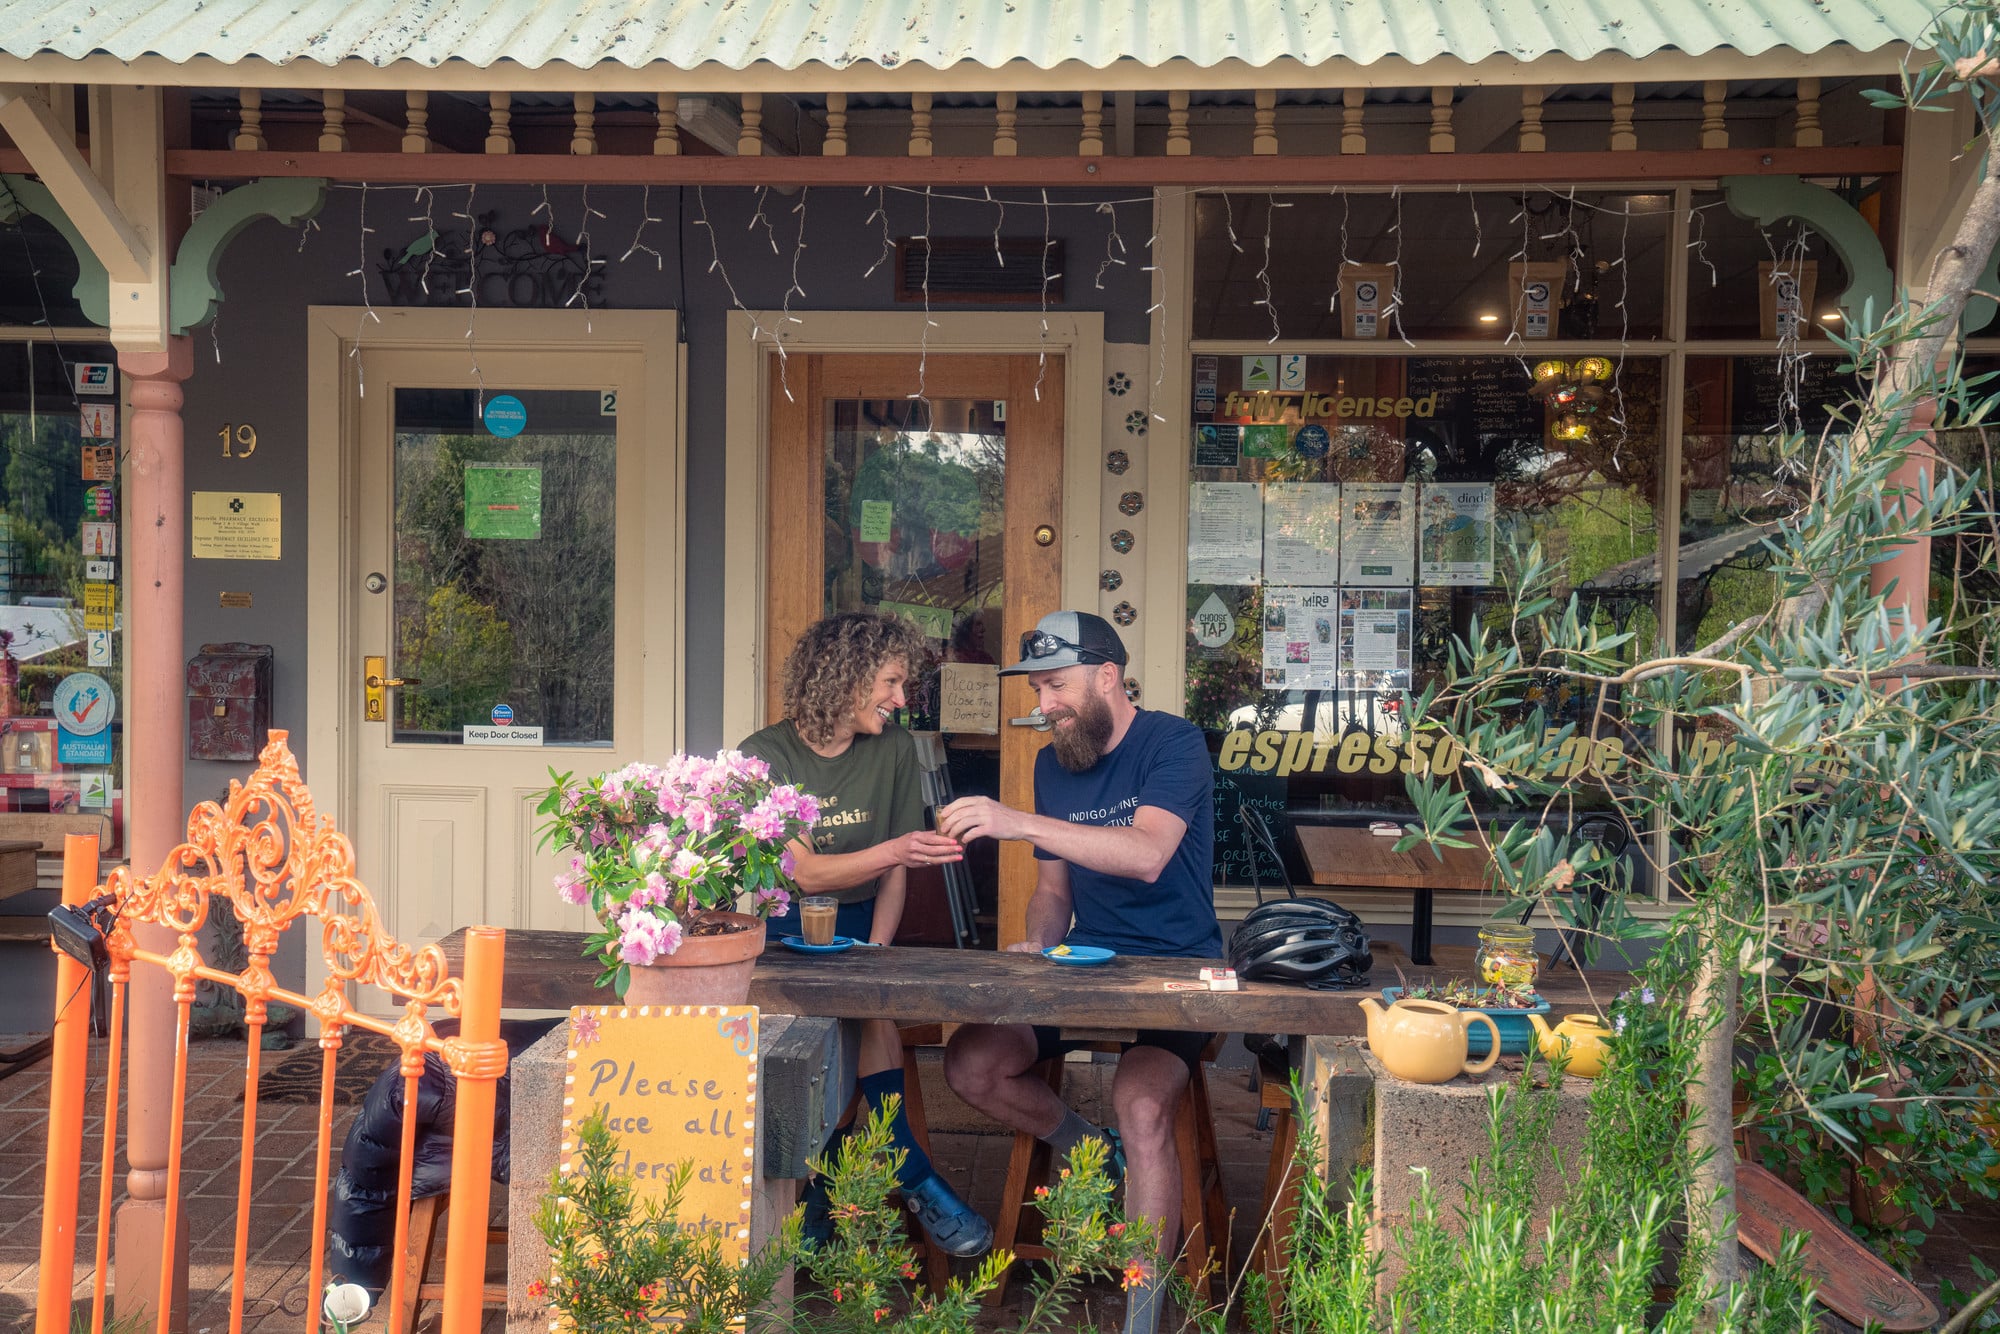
[(1123, 829)]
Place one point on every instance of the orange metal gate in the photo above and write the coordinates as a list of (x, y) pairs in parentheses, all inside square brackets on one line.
[(267, 856)]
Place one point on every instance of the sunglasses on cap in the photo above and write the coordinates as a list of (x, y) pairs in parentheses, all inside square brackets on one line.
[(1037, 644)]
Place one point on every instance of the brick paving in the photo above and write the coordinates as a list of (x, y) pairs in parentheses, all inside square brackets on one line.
[(282, 1208)]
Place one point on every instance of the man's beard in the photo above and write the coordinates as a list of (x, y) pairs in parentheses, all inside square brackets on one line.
[(1082, 743)]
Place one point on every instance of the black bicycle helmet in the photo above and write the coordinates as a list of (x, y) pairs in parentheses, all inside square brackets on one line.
[(1312, 942)]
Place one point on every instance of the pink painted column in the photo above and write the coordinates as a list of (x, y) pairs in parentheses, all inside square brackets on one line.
[(155, 543)]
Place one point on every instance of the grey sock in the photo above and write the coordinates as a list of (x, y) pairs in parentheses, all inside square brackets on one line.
[(1142, 1306), (1066, 1135)]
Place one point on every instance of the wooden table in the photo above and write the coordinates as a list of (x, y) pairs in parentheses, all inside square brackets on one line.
[(546, 970), (1351, 856)]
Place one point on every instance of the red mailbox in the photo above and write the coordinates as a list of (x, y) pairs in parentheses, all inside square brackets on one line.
[(229, 701)]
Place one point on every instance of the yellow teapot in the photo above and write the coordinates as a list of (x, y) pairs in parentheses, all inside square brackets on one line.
[(1423, 1041), (1580, 1037)]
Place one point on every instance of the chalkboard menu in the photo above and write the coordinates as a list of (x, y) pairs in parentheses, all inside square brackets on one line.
[(1757, 392), (1483, 405), (1234, 856)]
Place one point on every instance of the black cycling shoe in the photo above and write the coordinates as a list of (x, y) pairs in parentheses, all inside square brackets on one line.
[(951, 1222)]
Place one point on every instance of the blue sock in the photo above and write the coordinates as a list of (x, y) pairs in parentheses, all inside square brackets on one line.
[(876, 1089)]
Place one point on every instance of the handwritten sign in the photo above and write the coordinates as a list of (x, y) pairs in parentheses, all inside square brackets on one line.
[(969, 697), (679, 1085)]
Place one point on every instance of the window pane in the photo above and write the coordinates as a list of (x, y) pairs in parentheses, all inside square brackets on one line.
[(505, 566), (61, 746), (1605, 255), (1349, 522), (1730, 260)]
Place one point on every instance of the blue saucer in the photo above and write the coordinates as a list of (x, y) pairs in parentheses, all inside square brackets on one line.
[(1079, 954), (835, 946)]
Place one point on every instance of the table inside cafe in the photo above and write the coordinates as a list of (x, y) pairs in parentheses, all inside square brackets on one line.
[(1350, 856)]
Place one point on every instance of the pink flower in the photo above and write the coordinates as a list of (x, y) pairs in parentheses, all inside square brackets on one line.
[(700, 816), (788, 863), (774, 902), (642, 937), (654, 893), (687, 865), (573, 886), (767, 820)]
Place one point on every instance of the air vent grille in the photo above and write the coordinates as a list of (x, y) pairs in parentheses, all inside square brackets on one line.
[(967, 269)]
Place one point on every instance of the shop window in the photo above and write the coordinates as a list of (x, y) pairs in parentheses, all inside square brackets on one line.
[(1269, 266), (61, 661), (1350, 516), (1730, 258)]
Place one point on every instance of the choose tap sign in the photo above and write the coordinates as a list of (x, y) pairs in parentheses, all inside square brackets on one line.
[(679, 1087)]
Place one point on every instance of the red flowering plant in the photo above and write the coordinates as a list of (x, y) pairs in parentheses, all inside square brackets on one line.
[(662, 852), (622, 1265), (865, 1270)]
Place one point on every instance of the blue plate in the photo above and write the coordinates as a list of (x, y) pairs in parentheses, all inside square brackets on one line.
[(1079, 954), (835, 946)]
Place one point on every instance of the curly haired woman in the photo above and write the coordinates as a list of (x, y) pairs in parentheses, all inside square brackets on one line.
[(843, 684)]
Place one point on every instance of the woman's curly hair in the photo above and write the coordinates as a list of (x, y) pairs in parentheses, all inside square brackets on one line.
[(836, 660)]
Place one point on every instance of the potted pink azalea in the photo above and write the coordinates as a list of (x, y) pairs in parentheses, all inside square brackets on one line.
[(663, 855)]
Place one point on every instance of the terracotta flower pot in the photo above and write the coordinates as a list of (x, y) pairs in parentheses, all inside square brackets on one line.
[(705, 970)]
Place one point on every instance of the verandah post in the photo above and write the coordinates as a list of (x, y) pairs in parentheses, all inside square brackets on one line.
[(69, 1073), (478, 1058)]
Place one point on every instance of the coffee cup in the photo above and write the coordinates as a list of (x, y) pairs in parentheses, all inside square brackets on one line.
[(818, 914)]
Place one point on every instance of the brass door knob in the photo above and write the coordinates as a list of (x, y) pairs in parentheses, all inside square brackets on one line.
[(382, 683)]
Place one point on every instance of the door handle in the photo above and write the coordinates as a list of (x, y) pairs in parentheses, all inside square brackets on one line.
[(376, 684), (1034, 720)]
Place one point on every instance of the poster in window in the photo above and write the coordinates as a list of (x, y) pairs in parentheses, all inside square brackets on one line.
[(1302, 532), (503, 500), (1375, 638), (1455, 534), (1225, 533), (1299, 646), (1378, 533)]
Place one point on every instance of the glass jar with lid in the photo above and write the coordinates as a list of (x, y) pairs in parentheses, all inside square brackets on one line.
[(1506, 956)]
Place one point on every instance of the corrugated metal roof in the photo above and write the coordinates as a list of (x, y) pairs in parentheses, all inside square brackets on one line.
[(792, 34)]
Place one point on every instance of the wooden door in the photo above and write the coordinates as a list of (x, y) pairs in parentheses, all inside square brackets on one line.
[(930, 487)]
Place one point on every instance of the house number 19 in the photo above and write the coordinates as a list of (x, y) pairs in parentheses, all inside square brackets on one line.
[(243, 438)]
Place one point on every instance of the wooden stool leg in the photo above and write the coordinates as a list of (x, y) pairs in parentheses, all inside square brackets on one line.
[(1214, 1202), (1194, 1239), (1281, 1206), (424, 1215), (937, 1265), (1027, 1167)]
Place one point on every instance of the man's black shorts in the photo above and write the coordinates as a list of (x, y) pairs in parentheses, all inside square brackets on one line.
[(1051, 1044)]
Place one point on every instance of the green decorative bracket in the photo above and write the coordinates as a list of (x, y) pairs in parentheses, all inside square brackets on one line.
[(195, 284), (1766, 199), (21, 195)]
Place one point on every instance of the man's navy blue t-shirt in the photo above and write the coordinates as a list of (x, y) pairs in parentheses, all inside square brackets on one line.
[(1161, 761)]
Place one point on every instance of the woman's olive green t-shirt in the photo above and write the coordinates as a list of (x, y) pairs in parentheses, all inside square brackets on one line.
[(869, 793)]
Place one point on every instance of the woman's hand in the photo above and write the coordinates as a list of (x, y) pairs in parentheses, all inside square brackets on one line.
[(923, 848)]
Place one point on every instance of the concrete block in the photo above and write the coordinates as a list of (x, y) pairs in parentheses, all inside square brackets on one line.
[(534, 1130), (1441, 1128)]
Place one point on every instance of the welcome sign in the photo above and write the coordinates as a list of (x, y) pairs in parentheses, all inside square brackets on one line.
[(678, 1084)]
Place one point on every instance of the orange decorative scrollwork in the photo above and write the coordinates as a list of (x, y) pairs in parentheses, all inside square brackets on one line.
[(266, 852)]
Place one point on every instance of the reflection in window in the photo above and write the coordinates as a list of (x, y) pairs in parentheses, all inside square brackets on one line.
[(915, 509), (1267, 265), (505, 551), (59, 602), (1350, 522)]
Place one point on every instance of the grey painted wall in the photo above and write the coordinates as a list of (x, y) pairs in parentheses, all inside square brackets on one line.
[(250, 366)]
